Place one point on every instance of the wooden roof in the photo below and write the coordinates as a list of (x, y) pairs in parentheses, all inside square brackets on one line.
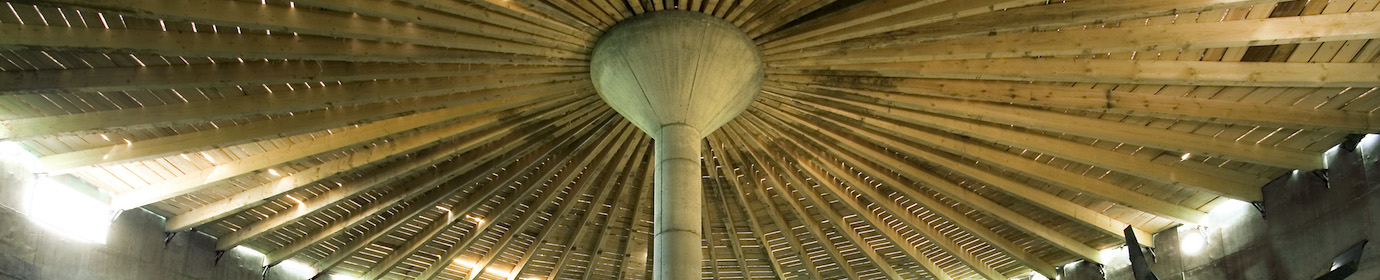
[(903, 139)]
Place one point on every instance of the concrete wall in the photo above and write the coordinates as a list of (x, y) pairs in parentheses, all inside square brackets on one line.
[(1309, 218), (134, 249)]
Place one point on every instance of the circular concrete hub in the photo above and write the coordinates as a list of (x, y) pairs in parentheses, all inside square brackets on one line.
[(677, 67)]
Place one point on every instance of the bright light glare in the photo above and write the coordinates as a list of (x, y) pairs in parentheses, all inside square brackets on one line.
[(342, 277), (251, 252), (298, 268), (70, 213), (1112, 253), (1228, 210), (470, 265), (1192, 241), (1037, 276)]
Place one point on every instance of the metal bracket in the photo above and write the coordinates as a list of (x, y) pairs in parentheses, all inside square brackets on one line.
[(219, 254), (1259, 206), (168, 237), (265, 274)]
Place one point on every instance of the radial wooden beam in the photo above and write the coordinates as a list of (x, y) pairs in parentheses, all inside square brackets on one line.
[(1038, 119), (1120, 71), (491, 163), (1021, 19), (1098, 100), (254, 196), (1229, 182), (1037, 197), (289, 19), (787, 232), (720, 209), (429, 189), (458, 17), (720, 164), (1033, 169), (477, 102), (450, 123), (774, 181), (638, 244), (879, 17), (247, 73), (578, 188), (1273, 31), (824, 207), (623, 194), (586, 156), (830, 169), (472, 201), (255, 46), (266, 104), (943, 242), (587, 219)]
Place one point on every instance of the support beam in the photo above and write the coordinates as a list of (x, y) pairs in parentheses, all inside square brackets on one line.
[(638, 245), (1118, 71), (772, 181), (1030, 18), (420, 185), (292, 20), (734, 187), (307, 99), (429, 127), (605, 164), (473, 20), (1223, 181), (1037, 197), (1239, 33), (534, 208), (829, 166), (795, 182), (639, 153), (1109, 130), (787, 232), (1030, 168), (479, 102), (720, 208), (246, 46), (247, 73), (880, 17), (1085, 98), (472, 201), (434, 149)]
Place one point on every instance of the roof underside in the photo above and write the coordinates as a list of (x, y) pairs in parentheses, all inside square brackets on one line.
[(904, 139)]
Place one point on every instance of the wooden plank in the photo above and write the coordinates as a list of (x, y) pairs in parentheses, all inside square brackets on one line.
[(881, 17), (578, 188), (585, 154), (472, 20), (773, 181), (721, 163), (830, 213), (1169, 140), (1153, 72), (510, 175), (194, 141), (1035, 196), (287, 19), (335, 168), (1274, 31), (253, 45), (819, 163), (258, 104), (199, 180)]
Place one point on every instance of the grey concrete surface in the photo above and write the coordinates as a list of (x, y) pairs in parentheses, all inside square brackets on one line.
[(133, 250), (1309, 218)]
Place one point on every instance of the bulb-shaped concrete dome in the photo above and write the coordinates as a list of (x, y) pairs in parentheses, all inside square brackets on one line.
[(673, 67)]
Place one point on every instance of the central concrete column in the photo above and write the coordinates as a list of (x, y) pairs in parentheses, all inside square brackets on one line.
[(678, 76), (677, 233)]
